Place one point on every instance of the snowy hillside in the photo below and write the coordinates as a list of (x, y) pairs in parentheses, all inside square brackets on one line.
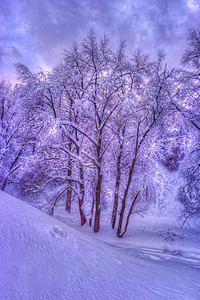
[(42, 258)]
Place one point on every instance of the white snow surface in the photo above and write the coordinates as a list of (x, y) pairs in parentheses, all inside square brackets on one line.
[(42, 258)]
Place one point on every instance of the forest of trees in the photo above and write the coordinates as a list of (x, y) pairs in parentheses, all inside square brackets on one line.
[(90, 130)]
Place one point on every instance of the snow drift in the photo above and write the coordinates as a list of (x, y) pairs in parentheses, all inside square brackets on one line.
[(42, 258)]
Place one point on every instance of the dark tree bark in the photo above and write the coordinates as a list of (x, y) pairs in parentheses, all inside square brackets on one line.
[(92, 210), (131, 169), (116, 195), (99, 182), (117, 184), (69, 172), (69, 191), (129, 214), (12, 169), (128, 183), (81, 199), (4, 184), (98, 202)]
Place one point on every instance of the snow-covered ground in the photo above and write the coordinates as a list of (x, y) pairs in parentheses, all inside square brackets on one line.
[(42, 258), (151, 237)]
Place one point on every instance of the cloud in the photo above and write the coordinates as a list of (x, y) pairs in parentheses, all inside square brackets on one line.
[(193, 5), (36, 32)]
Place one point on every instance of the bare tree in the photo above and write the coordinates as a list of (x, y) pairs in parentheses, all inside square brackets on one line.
[(154, 96)]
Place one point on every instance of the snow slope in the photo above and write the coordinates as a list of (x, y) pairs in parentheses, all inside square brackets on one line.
[(42, 258)]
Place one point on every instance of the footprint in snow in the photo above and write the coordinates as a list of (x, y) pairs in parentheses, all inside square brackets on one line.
[(56, 231)]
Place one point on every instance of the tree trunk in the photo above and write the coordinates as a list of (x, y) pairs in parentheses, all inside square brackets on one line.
[(92, 210), (4, 184), (128, 184), (98, 186), (11, 168), (124, 199), (117, 183), (115, 205), (69, 172), (69, 200), (129, 214), (69, 191), (98, 199), (83, 219)]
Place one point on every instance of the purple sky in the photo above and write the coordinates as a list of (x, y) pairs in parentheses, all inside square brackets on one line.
[(35, 32)]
